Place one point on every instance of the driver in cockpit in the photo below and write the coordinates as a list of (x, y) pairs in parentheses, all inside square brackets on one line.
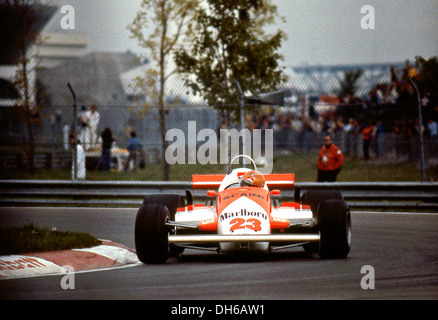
[(252, 178)]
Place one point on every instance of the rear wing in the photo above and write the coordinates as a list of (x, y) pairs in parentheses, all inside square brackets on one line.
[(273, 181)]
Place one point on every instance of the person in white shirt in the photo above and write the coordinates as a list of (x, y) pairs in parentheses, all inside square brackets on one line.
[(81, 171), (84, 127), (94, 117)]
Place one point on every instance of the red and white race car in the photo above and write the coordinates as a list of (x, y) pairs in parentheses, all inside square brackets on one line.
[(245, 213)]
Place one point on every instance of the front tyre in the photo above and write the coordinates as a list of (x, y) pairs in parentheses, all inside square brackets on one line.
[(152, 234), (172, 202), (334, 220)]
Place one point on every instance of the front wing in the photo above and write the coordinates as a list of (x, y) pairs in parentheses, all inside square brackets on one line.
[(208, 238)]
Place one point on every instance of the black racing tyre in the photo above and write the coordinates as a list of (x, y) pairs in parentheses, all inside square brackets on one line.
[(315, 197), (334, 221), (297, 192), (171, 201), (152, 234)]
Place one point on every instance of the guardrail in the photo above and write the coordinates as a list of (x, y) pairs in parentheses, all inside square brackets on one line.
[(358, 195)]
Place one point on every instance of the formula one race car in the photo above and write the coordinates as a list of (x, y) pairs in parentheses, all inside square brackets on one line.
[(244, 214)]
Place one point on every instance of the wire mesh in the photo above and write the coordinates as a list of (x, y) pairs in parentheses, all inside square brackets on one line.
[(182, 135)]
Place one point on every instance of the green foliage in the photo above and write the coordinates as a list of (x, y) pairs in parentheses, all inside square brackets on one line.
[(227, 43), (303, 165), (167, 19), (427, 79), (348, 86), (30, 239)]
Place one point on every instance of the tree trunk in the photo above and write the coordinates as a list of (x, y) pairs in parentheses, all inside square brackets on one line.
[(162, 111), (27, 106)]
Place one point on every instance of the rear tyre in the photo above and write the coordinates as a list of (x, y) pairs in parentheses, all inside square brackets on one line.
[(313, 198), (334, 221), (152, 234)]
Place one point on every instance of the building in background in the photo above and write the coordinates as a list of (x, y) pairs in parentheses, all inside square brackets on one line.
[(55, 49), (20, 27)]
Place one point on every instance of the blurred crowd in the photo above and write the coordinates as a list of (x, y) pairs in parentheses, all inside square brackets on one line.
[(383, 123)]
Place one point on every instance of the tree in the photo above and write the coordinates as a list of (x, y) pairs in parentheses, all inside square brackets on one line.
[(228, 43), (427, 77), (348, 85), (168, 17)]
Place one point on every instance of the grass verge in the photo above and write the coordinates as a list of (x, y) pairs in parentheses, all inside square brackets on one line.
[(30, 238), (303, 165)]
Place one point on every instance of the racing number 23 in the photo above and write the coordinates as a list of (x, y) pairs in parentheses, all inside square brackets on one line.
[(239, 223)]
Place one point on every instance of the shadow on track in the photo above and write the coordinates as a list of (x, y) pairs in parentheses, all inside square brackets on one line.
[(242, 257)]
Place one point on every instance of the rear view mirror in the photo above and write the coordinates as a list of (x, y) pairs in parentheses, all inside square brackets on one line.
[(211, 193)]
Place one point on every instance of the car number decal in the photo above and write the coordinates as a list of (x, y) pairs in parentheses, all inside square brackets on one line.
[(240, 223)]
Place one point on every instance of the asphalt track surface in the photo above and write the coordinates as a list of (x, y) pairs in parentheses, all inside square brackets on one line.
[(401, 248)]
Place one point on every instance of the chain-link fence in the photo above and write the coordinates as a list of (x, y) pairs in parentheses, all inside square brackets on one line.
[(390, 151)]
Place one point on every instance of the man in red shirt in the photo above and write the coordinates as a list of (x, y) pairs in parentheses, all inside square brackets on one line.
[(330, 161), (367, 134)]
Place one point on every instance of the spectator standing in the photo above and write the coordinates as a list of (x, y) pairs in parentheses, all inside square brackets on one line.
[(349, 137), (432, 128), (330, 161), (80, 157), (376, 135), (84, 127), (134, 149), (356, 133), (298, 133), (367, 137), (107, 142), (393, 92), (94, 117), (56, 126)]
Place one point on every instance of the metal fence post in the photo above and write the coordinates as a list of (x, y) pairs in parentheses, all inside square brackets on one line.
[(242, 115), (75, 143), (420, 129)]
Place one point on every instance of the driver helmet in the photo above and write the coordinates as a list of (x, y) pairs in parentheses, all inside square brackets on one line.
[(252, 178)]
